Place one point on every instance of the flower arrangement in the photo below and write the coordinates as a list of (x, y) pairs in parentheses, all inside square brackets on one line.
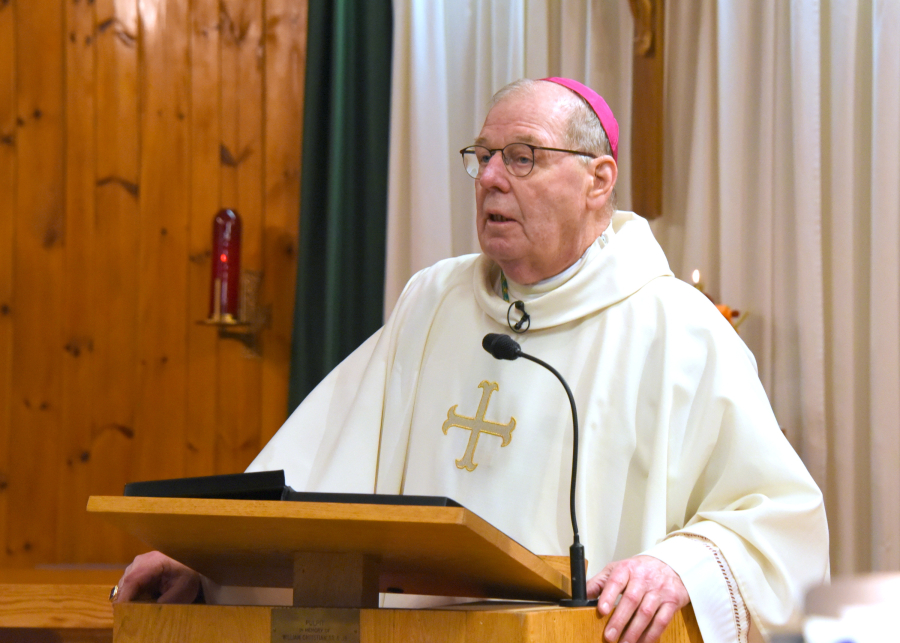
[(734, 316)]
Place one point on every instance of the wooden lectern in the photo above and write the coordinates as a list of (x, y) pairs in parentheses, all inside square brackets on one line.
[(337, 558)]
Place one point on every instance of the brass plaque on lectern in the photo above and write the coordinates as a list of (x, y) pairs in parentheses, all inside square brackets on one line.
[(315, 625)]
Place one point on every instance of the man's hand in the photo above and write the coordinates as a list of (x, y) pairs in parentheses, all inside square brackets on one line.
[(651, 594), (157, 576)]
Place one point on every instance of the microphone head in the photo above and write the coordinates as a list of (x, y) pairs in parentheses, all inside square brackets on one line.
[(501, 346)]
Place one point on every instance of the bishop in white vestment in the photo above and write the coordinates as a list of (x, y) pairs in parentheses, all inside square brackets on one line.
[(687, 490), (680, 458)]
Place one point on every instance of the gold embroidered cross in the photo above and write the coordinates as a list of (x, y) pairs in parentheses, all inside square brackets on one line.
[(478, 425)]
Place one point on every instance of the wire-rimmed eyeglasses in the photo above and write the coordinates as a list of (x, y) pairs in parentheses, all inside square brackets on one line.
[(517, 157)]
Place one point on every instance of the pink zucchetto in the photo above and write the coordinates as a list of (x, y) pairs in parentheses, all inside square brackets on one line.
[(601, 109)]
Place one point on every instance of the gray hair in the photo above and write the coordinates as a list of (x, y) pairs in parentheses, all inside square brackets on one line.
[(583, 130)]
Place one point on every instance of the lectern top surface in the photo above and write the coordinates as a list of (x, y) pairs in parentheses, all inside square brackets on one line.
[(423, 549)]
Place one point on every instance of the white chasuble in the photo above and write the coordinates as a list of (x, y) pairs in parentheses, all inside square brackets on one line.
[(678, 442)]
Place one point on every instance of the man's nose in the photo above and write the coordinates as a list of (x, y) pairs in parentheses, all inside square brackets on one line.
[(494, 173)]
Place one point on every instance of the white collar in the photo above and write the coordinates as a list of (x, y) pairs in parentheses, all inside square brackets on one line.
[(604, 276), (533, 291)]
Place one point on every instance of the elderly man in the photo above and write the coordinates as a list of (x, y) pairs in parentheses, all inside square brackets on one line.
[(688, 492)]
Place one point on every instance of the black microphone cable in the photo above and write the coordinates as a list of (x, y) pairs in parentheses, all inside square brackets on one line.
[(505, 347)]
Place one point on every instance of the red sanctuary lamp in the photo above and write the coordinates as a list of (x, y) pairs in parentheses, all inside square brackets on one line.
[(225, 285)]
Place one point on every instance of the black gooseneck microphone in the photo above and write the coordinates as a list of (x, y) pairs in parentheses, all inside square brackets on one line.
[(505, 347)]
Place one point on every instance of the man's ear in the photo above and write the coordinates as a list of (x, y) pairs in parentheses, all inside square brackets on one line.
[(603, 175)]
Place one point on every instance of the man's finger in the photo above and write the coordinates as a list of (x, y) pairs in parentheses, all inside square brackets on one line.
[(625, 610), (660, 622), (134, 579), (130, 587), (615, 584), (180, 589), (152, 574), (596, 583), (642, 618)]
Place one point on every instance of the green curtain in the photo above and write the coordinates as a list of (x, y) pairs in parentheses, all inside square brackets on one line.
[(343, 203)]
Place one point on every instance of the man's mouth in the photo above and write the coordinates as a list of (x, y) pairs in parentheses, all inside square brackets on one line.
[(498, 218)]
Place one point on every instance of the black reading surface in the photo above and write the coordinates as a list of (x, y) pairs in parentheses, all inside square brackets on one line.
[(267, 485)]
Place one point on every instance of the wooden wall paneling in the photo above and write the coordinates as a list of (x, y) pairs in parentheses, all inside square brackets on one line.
[(251, 204), (74, 458), (285, 60), (7, 216), (229, 401), (648, 78), (114, 263), (203, 364), (239, 395), (37, 295), (120, 122), (164, 203)]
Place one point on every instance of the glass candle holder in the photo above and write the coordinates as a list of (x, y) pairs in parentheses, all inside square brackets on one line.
[(225, 284)]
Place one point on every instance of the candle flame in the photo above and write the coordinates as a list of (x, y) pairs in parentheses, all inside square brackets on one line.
[(695, 276)]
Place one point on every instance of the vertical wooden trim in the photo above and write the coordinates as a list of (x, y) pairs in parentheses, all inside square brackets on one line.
[(230, 384), (285, 65), (37, 297), (647, 107), (164, 199), (239, 395), (250, 181), (114, 266), (8, 139), (336, 579), (203, 363), (74, 459)]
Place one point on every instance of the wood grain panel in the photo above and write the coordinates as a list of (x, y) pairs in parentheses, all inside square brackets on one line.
[(648, 79), (7, 246), (78, 317), (203, 363), (250, 543), (37, 292), (240, 388), (286, 24), (532, 623), (55, 606), (67, 576), (397, 626), (113, 265), (165, 198), (113, 119), (196, 623), (479, 623)]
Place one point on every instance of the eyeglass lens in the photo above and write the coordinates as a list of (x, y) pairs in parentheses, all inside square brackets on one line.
[(517, 157)]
